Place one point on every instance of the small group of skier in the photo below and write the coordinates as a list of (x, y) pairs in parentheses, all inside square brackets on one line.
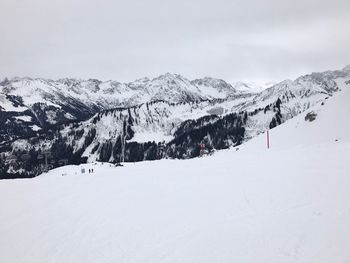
[(91, 170)]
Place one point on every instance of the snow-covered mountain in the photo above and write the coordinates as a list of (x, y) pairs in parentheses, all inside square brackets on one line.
[(175, 116), (247, 204), (251, 86), (215, 88), (100, 95), (294, 96), (27, 105)]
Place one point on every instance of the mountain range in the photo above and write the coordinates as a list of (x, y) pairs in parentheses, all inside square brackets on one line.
[(169, 116)]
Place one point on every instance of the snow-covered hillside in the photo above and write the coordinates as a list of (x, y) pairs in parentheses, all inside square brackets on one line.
[(48, 103), (160, 128), (246, 204)]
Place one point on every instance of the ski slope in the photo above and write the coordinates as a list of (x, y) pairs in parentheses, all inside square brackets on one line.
[(286, 204)]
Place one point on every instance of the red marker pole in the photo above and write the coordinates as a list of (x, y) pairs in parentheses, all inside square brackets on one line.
[(268, 139)]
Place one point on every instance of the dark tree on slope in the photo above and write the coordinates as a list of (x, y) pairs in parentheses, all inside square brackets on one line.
[(215, 132), (277, 119)]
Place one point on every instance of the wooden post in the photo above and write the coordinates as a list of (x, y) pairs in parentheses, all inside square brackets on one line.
[(268, 139)]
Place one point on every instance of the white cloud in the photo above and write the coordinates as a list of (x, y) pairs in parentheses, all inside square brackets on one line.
[(124, 40)]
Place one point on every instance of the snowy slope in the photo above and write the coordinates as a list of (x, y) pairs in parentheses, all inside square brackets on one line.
[(331, 124), (252, 87), (286, 204), (215, 88), (178, 116), (295, 97), (161, 129), (51, 103)]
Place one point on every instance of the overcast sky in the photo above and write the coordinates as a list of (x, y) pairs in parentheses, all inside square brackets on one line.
[(255, 40)]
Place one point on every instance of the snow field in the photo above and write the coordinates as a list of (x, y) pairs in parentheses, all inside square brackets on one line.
[(285, 204)]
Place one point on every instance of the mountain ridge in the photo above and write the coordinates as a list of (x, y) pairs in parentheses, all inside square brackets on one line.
[(158, 128)]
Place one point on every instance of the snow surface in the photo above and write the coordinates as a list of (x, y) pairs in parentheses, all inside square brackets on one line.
[(24, 118), (7, 105), (286, 204), (35, 128), (156, 137)]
